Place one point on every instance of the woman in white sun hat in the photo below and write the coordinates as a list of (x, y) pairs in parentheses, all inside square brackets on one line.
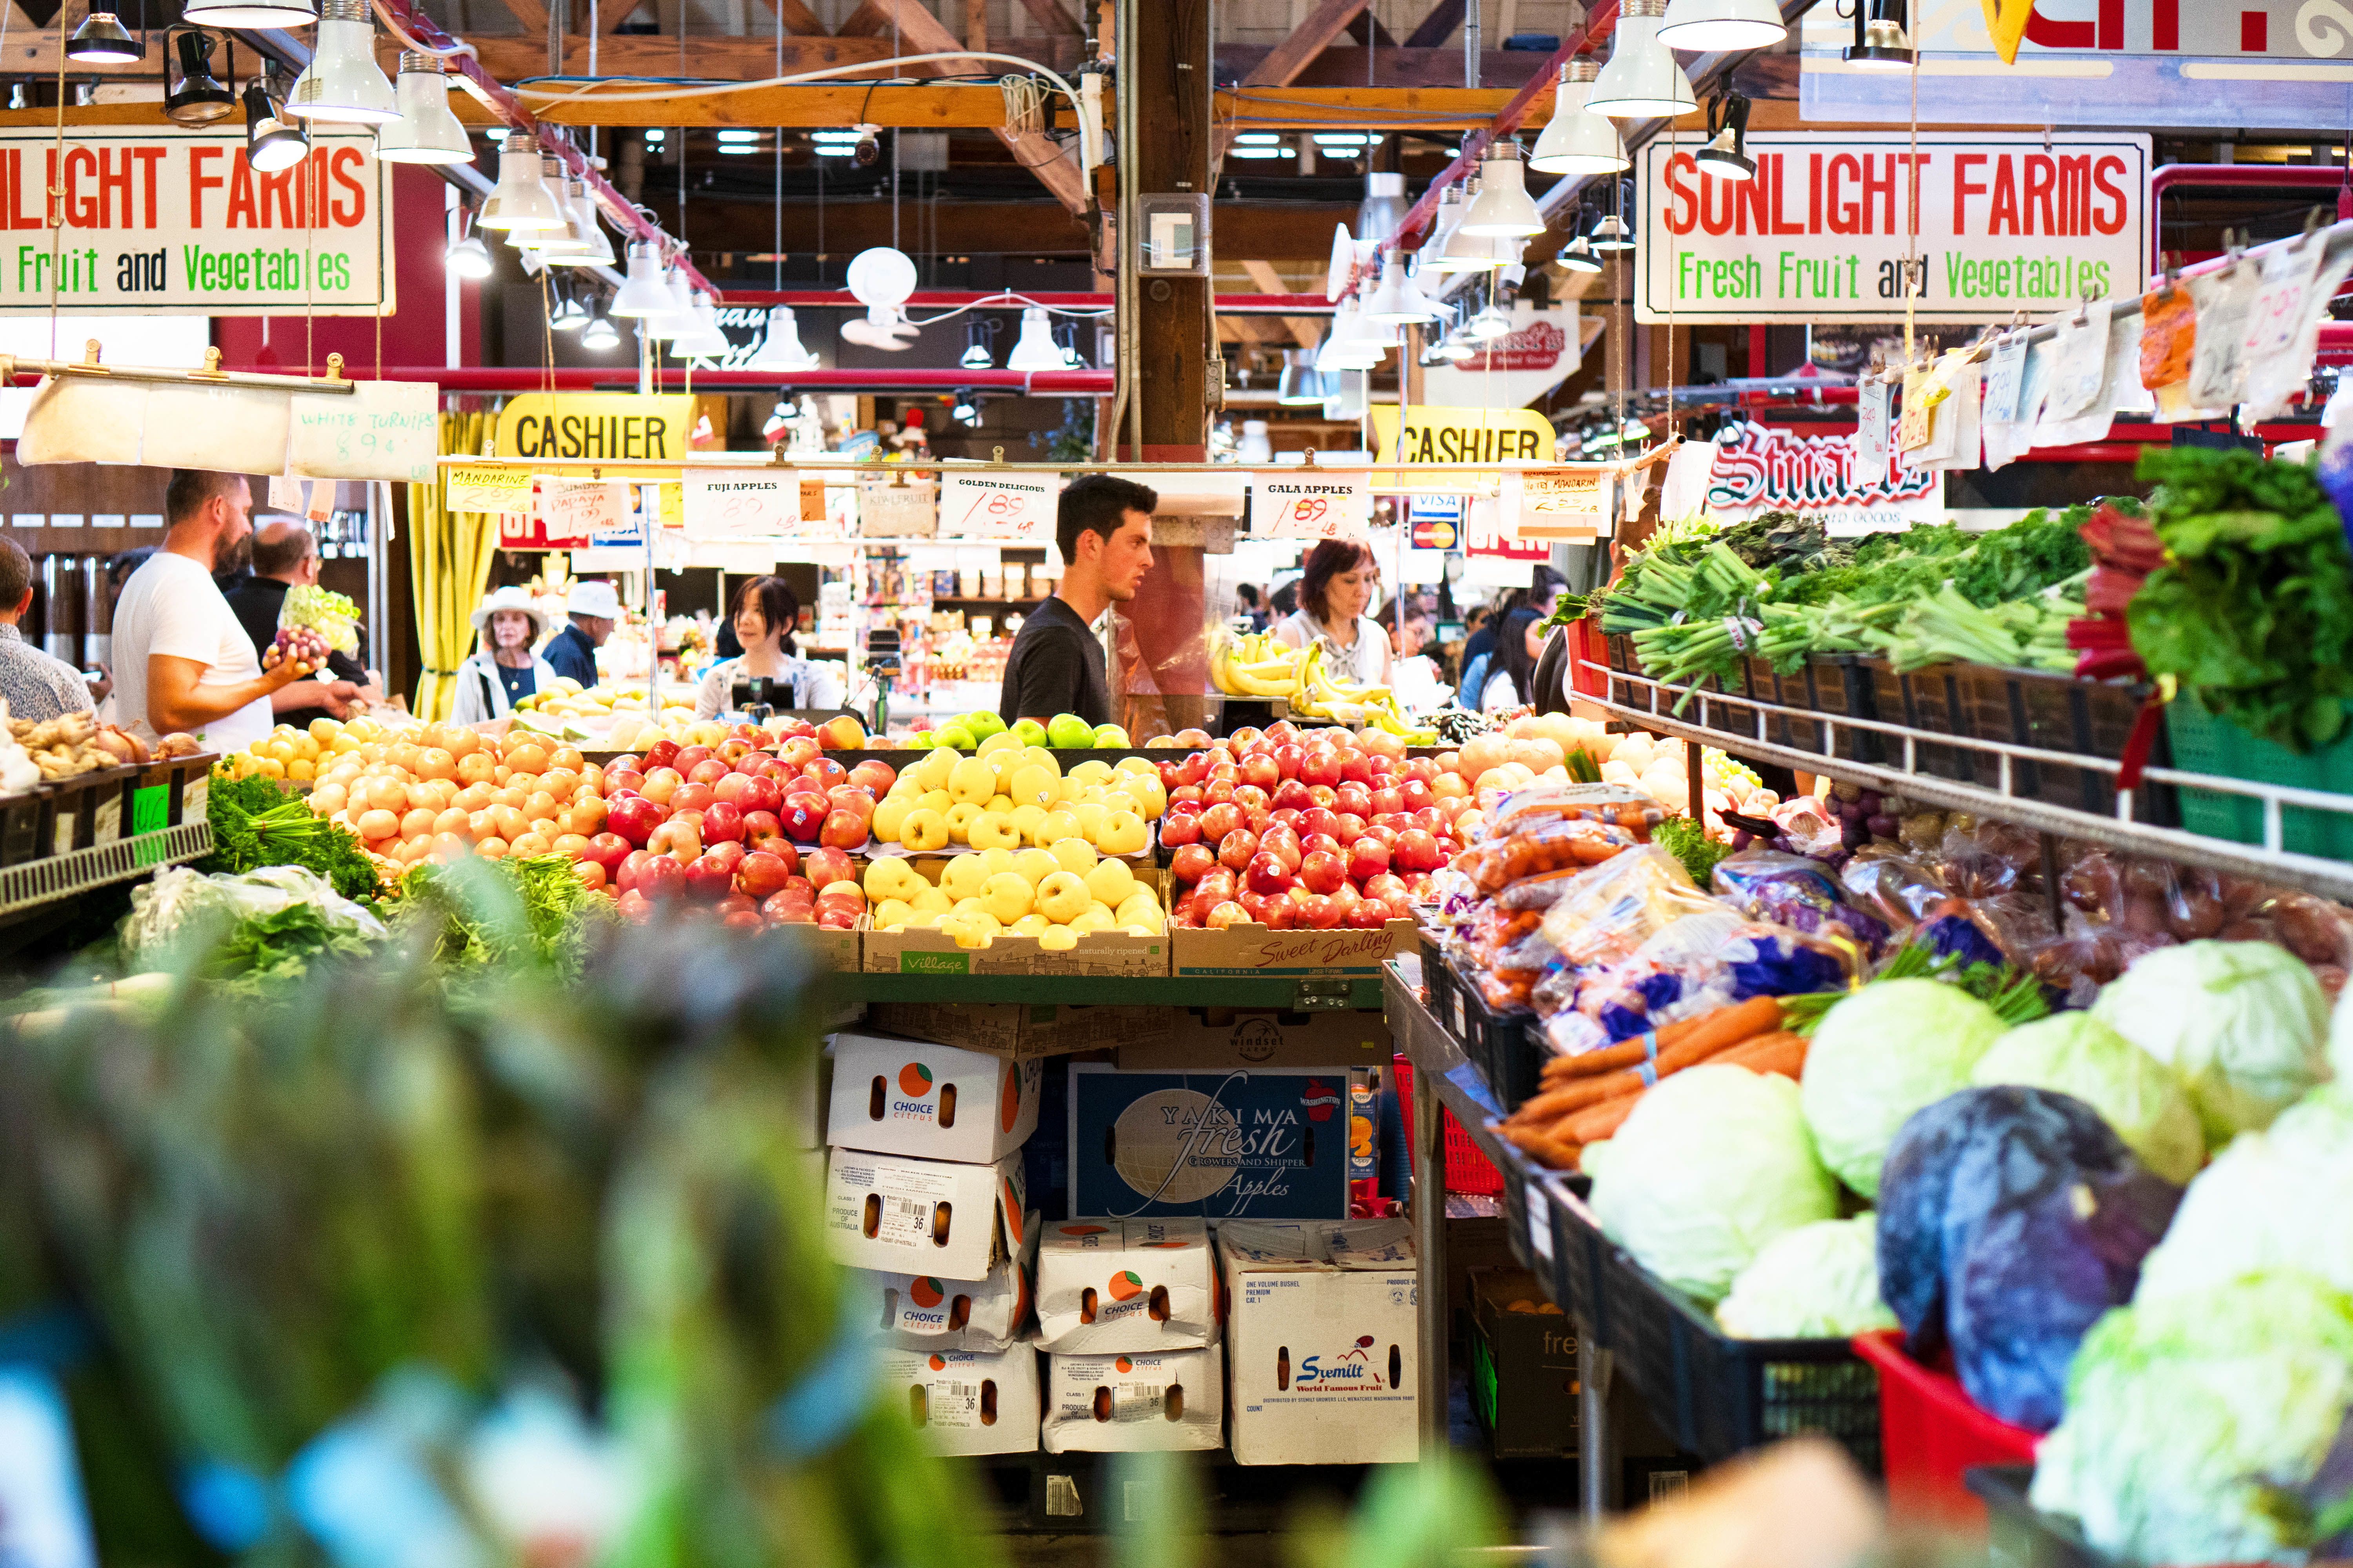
[(504, 669)]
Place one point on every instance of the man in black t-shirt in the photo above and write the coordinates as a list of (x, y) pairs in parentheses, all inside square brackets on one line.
[(285, 556), (1104, 525)]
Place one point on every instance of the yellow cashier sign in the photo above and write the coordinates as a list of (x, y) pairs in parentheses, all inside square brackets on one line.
[(569, 429), (1432, 432)]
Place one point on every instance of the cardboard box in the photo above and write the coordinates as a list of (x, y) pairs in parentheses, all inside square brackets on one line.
[(920, 950), (1311, 955), (810, 1085), (1022, 1030), (827, 949), (895, 1215), (1210, 1145), (1134, 1404), (1523, 1366), (1199, 1038), (965, 1402), (1135, 1285), (923, 1311), (911, 1097), (1322, 1339)]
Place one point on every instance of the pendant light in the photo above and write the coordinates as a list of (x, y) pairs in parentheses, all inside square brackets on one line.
[(270, 143), (1503, 207), (782, 348), (1035, 350), (1066, 337), (1384, 206), (426, 132), (599, 333), (248, 13), (643, 294), (199, 98), (681, 294), (967, 407), (1481, 252), (522, 201), (1300, 385), (1576, 141), (1434, 258), (1725, 156), (563, 243), (468, 257), (342, 85), (701, 338), (1492, 321), (1881, 44), (569, 315), (1578, 255), (1702, 26), (976, 354), (1396, 299), (595, 250), (1641, 80), (1612, 235), (101, 40)]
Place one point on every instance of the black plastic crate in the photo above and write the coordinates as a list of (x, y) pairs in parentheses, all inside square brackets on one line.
[(1843, 688), (2016, 1535), (24, 827), (1503, 1046), (1923, 700), (87, 810), (2057, 713), (1573, 1273)]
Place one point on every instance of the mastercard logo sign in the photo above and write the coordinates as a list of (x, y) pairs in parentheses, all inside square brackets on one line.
[(914, 1080), (1125, 1365), (926, 1292), (1126, 1285)]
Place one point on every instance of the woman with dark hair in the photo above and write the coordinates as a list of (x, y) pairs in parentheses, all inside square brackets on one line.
[(1337, 586), (1510, 681), (765, 613)]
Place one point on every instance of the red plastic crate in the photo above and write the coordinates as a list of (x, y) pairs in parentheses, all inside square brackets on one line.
[(1930, 1433), (1467, 1169)]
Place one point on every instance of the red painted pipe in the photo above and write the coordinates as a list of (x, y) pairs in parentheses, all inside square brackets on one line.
[(673, 378), (2223, 176)]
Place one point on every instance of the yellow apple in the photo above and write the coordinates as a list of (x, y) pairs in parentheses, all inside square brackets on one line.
[(999, 803), (1075, 856), (961, 817), (1025, 818), (1063, 897), (963, 877), (1057, 939), (1136, 766), (1039, 756), (930, 901), (890, 815), (990, 830), (998, 860), (1035, 864), (1124, 833), (1091, 814), (888, 877), (1031, 924), (938, 800), (1095, 917), (892, 913), (1111, 882), (925, 920), (933, 771), (1139, 912), (1151, 798), (1095, 769), (924, 830), (1033, 784), (972, 779), (974, 928), (1008, 896), (1054, 827)]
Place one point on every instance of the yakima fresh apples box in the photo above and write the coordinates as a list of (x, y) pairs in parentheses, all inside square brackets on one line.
[(1320, 1342), (1125, 1285), (911, 1097), (902, 1215), (923, 1311), (1208, 1145), (965, 1402), (1134, 1404)]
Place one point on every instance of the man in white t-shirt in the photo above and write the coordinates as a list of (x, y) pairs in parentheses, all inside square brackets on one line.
[(182, 662)]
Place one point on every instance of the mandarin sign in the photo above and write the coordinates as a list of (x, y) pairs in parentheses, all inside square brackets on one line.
[(177, 222)]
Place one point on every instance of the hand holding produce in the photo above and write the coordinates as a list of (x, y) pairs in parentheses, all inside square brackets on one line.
[(298, 647)]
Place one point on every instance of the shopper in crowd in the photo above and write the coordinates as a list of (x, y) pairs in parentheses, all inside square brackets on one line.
[(502, 669), (1407, 620), (37, 686), (594, 609), (1339, 583), (1103, 526), (182, 660), (1510, 681), (1479, 649), (119, 567), (1253, 605), (766, 610), (286, 556), (1283, 601)]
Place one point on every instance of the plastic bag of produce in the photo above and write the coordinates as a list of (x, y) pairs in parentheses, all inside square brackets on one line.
[(2281, 1198), (1609, 911), (2241, 1023), (2137, 1095), (1818, 1282), (1542, 804), (1713, 1164), (1793, 891), (2191, 1418), (1572, 843), (1697, 963), (1890, 1049)]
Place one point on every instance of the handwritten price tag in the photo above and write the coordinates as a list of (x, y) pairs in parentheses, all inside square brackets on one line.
[(1559, 504), (1870, 432), (488, 490), (381, 430), (575, 511), (2081, 370), (1288, 506), (998, 506), (742, 503), (2004, 376)]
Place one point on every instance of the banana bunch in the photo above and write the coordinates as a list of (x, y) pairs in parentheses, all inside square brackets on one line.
[(1255, 665)]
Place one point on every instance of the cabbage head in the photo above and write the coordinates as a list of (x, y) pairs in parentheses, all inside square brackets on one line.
[(2074, 1053), (2183, 1411), (1715, 1163), (2281, 1198), (2242, 1024), (1888, 1050), (1818, 1282)]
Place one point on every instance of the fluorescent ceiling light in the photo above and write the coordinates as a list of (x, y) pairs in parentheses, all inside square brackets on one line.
[(739, 136), (1264, 152), (1256, 138)]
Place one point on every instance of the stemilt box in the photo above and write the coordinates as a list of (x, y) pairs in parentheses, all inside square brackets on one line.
[(1134, 1404), (924, 1311), (1136, 1284), (967, 1402), (1321, 1341), (936, 1102), (898, 1215)]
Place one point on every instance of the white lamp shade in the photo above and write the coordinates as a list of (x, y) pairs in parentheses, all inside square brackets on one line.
[(643, 293), (1384, 206), (1397, 298), (599, 251), (1482, 252), (1254, 447), (600, 332), (1439, 255), (249, 13), (1641, 80), (1300, 385), (702, 338), (342, 85), (559, 245), (1036, 349), (782, 349), (882, 276), (1490, 324), (426, 132), (470, 257), (1502, 207), (1713, 26), (681, 295), (1330, 357), (521, 200), (1576, 141)]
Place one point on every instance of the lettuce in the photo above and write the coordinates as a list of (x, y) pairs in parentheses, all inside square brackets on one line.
[(1818, 1282), (2075, 1054), (2242, 1024), (2282, 1198), (1890, 1049), (326, 612)]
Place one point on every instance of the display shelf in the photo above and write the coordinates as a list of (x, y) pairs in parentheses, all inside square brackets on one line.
[(1287, 992), (55, 877), (1650, 704)]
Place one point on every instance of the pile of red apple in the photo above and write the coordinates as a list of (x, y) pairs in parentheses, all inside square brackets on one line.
[(762, 836), (1306, 830)]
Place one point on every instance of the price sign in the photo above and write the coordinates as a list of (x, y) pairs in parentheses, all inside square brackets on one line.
[(2081, 369), (488, 490), (998, 506), (1913, 424), (2217, 371), (575, 511), (1870, 432), (741, 503), (2004, 376), (1291, 506), (380, 430), (1559, 503)]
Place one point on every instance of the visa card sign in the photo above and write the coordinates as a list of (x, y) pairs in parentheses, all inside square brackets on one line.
[(1213, 1145)]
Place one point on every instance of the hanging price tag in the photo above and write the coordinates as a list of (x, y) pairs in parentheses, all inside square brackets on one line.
[(1290, 506), (2005, 373), (1870, 432), (741, 503), (1557, 503), (2169, 336), (578, 511), (998, 506), (487, 490), (1916, 417), (2217, 369), (2080, 371), (2288, 330)]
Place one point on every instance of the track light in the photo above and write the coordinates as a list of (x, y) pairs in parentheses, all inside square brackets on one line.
[(1579, 257), (1384, 206), (342, 85), (1503, 207), (967, 408), (249, 13), (1035, 350), (469, 256), (521, 200), (200, 99), (1882, 42), (975, 355), (1300, 384), (270, 143), (599, 333), (1611, 235), (1066, 337), (101, 41), (643, 293), (1700, 26), (1396, 299), (562, 244), (782, 348), (1725, 156)]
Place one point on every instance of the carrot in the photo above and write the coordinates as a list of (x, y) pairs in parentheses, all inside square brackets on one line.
[(1609, 1058), (1560, 1156), (1737, 1021), (1780, 1052), (1597, 1122)]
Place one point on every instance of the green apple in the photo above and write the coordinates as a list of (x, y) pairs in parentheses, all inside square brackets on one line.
[(982, 723), (953, 737), (1029, 732), (1069, 731), (919, 741), (1112, 737)]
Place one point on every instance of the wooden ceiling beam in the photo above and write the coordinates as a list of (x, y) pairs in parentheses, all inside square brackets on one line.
[(1305, 330)]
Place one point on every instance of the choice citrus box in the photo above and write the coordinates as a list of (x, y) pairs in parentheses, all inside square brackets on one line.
[(900, 1216), (1134, 1404), (924, 1311), (910, 1097), (967, 1402), (1125, 1285), (1210, 1145), (1251, 949), (1320, 1339)]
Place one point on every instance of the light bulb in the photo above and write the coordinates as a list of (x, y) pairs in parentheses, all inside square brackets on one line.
[(342, 85)]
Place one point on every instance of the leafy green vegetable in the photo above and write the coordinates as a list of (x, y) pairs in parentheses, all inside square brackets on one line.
[(2273, 1199), (2243, 1024), (267, 949), (528, 907), (2137, 1095), (1686, 839), (256, 823), (1890, 1049), (1818, 1282)]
